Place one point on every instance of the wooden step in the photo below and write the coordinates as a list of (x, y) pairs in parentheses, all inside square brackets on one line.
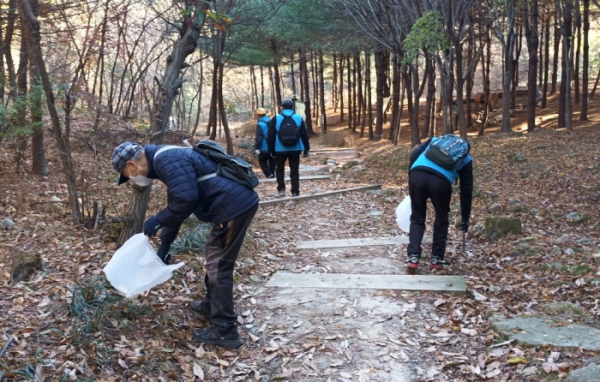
[(442, 284)]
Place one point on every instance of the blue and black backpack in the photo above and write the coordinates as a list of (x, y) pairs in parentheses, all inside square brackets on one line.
[(448, 151)]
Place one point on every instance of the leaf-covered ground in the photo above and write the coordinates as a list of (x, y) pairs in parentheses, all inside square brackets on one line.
[(65, 320)]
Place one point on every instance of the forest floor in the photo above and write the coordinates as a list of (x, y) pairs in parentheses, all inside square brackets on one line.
[(69, 324)]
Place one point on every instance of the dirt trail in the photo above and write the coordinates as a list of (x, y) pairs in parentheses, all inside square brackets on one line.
[(337, 334)]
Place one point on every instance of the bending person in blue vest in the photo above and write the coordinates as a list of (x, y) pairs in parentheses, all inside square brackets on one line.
[(266, 162), (434, 166), (287, 138)]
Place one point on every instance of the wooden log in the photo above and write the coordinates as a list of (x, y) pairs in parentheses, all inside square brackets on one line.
[(287, 178), (319, 195), (443, 284), (361, 242)]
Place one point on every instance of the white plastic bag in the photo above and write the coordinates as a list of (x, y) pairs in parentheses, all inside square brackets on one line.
[(403, 212), (135, 267)]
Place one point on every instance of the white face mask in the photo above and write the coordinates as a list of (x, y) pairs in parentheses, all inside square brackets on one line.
[(140, 180)]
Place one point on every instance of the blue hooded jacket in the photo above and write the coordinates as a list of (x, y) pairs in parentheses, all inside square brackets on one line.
[(275, 145), (216, 200), (262, 131)]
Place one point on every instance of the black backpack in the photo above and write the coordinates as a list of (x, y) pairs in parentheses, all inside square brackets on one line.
[(289, 132), (230, 167)]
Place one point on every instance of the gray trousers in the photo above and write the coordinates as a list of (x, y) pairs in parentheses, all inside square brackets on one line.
[(221, 249)]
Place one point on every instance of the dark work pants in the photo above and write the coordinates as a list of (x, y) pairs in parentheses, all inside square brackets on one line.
[(267, 164), (294, 162), (221, 249), (424, 185)]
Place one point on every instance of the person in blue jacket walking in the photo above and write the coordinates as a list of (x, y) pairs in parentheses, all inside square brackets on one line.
[(227, 204), (429, 180), (266, 162), (284, 153)]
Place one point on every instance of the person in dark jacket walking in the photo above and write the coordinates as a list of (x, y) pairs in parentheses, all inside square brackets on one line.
[(265, 160), (229, 205), (289, 153), (429, 180)]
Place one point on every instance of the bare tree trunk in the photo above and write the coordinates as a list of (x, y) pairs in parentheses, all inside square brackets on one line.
[(359, 89), (586, 61), (531, 34), (341, 88), (10, 66), (2, 73), (211, 128), (277, 78), (515, 67), (429, 110), (395, 125), (414, 116), (469, 86), (22, 136), (369, 99), (199, 108), (39, 164), (315, 87), (292, 75), (322, 93), (575, 71), (304, 78), (254, 93), (565, 109), (460, 101), (508, 65), (113, 79), (355, 105), (546, 63), (100, 68), (380, 74), (334, 90), (555, 57), (486, 64), (273, 97), (406, 76), (350, 88), (262, 88), (62, 143), (222, 107), (168, 88)]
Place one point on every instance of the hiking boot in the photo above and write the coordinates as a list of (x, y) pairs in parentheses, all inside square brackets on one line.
[(295, 194), (438, 263), (213, 335), (281, 193), (412, 264), (202, 309), (271, 176)]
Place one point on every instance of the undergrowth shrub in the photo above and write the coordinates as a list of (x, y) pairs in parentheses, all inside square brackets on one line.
[(339, 138)]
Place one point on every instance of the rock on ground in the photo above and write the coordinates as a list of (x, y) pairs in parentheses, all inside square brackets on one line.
[(585, 374), (535, 331)]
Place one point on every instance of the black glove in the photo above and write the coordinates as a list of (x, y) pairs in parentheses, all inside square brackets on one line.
[(305, 153), (464, 226), (151, 226)]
